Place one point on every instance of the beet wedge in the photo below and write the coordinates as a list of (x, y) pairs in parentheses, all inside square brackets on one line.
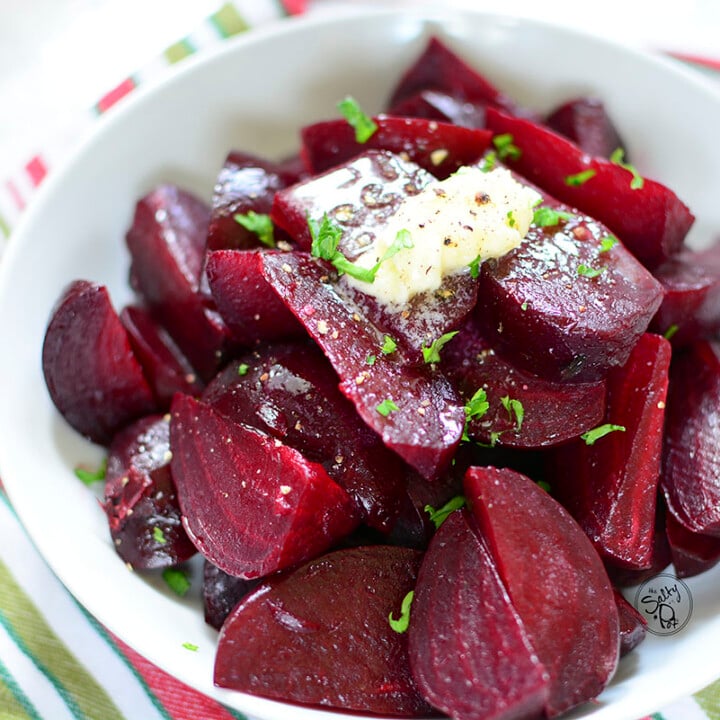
[(469, 653), (692, 553), (435, 105), (648, 217), (250, 504), (633, 626), (552, 574), (290, 392), (319, 636), (91, 372), (413, 408), (140, 499), (610, 486), (221, 593)]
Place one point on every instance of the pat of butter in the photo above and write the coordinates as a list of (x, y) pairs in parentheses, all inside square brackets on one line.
[(472, 214)]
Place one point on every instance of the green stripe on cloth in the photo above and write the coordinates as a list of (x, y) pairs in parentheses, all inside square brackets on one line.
[(228, 21), (14, 704), (709, 700), (4, 227), (179, 51), (28, 628)]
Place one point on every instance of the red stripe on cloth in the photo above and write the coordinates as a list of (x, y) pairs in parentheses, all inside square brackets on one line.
[(37, 170), (295, 7), (181, 701), (116, 94), (15, 195), (711, 63)]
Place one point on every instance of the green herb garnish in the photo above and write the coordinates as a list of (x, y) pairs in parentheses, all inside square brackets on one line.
[(511, 218), (364, 126), (608, 243), (386, 407), (389, 345), (476, 407), (259, 224), (668, 334), (489, 161), (547, 217), (243, 369), (475, 267), (580, 178), (401, 624), (159, 536), (89, 477), (432, 354), (592, 436), (438, 517), (514, 409), (176, 580), (617, 159), (590, 272), (544, 485), (370, 359), (190, 646), (506, 148)]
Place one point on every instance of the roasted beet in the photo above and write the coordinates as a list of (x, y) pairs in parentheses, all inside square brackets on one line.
[(250, 504), (320, 635), (552, 412), (435, 105), (610, 486), (438, 147), (414, 409), (91, 372), (633, 626), (469, 653), (167, 246), (291, 392), (691, 460), (692, 553), (552, 574), (221, 593), (245, 183), (140, 499), (648, 217), (248, 305)]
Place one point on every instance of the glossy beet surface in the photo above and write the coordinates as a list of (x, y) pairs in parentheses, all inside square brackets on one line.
[(610, 487), (633, 626), (424, 420), (692, 553), (650, 220), (91, 372), (469, 653), (552, 574), (291, 392), (691, 462), (435, 105), (319, 635), (140, 499), (250, 504)]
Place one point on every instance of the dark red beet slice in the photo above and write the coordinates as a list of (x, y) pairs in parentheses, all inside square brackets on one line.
[(420, 416), (164, 365), (610, 487), (249, 307), (633, 626), (250, 504), (690, 309), (540, 312), (320, 635), (469, 653), (439, 106), (552, 574), (167, 246), (244, 183), (221, 593), (140, 499), (586, 122), (650, 220), (692, 553), (91, 372), (691, 459), (554, 412), (291, 393), (438, 147)]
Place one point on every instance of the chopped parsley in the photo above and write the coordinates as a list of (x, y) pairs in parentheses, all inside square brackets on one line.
[(524, 306), (243, 369), (475, 267), (190, 646), (592, 436), (590, 272), (438, 517), (617, 158), (432, 354), (506, 148), (177, 580), (370, 359), (514, 409), (389, 345), (364, 126), (668, 334), (511, 218), (608, 243), (89, 477), (547, 217), (475, 407), (259, 224), (580, 178), (159, 536), (543, 485), (489, 161), (402, 623), (386, 407)]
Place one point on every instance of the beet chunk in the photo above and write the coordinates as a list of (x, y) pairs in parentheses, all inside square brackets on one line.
[(438, 147), (420, 417), (691, 458), (91, 372), (248, 305), (552, 574), (650, 220), (439, 106), (553, 412), (469, 653), (610, 487), (140, 499), (692, 553), (633, 626), (167, 246), (320, 635), (221, 593), (250, 504), (543, 308), (245, 183), (291, 393), (585, 121)]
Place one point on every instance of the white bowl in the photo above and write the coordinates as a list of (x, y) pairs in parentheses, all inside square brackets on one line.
[(253, 94)]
